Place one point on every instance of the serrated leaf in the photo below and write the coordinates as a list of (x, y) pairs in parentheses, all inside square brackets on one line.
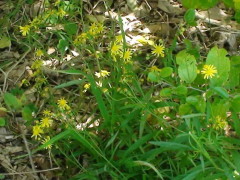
[(12, 101), (217, 57), (187, 69)]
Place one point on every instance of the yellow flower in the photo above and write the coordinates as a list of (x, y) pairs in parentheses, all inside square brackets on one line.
[(209, 71), (47, 113), (61, 13), (158, 50), (119, 38), (219, 123), (62, 104), (116, 49), (80, 39), (87, 86), (25, 29), (154, 69), (102, 73), (45, 140), (39, 53), (37, 131), (96, 28), (127, 55), (46, 122)]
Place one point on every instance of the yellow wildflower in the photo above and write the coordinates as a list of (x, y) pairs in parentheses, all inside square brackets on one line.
[(154, 69), (102, 73), (61, 12), (46, 122), (158, 50), (39, 53), (86, 87), (127, 55), (25, 29), (219, 123), (37, 131), (62, 104), (116, 49), (209, 71), (47, 113), (96, 28), (80, 39), (45, 140), (119, 38)]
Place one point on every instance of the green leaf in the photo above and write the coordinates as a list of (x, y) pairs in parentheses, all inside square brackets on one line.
[(5, 42), (189, 17), (235, 103), (221, 92), (62, 45), (153, 76), (184, 109), (237, 16), (27, 113), (236, 4), (2, 121), (187, 69), (171, 145), (71, 71), (206, 4), (71, 28), (70, 83), (12, 101), (192, 100), (166, 72), (190, 3), (229, 3), (217, 57), (166, 92), (234, 75), (180, 90)]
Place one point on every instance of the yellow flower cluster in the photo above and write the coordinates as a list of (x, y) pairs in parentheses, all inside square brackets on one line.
[(42, 127), (102, 73), (116, 49), (219, 123), (94, 30)]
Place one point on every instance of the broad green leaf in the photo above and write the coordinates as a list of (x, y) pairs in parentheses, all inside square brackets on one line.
[(187, 69), (71, 28), (229, 3), (206, 4), (235, 103), (184, 109), (153, 76), (62, 45), (221, 92), (190, 3), (237, 16), (189, 17), (5, 42), (180, 90), (166, 72), (236, 4), (166, 92), (193, 100), (234, 75), (12, 101), (27, 113), (217, 57), (220, 108), (2, 121)]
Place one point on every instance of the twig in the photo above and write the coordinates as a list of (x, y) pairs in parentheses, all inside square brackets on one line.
[(29, 172)]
